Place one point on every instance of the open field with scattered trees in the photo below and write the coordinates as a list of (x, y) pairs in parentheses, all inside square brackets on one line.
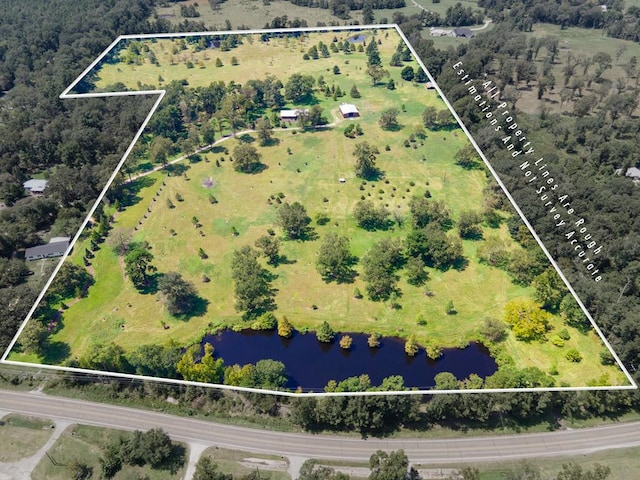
[(382, 224)]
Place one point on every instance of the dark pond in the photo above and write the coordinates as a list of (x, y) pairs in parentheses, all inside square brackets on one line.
[(311, 364), (357, 39)]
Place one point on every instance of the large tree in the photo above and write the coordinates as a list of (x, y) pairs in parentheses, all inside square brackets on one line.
[(365, 155), (252, 288), (389, 466), (246, 158), (138, 266), (180, 295), (293, 220), (299, 88), (379, 268), (334, 259)]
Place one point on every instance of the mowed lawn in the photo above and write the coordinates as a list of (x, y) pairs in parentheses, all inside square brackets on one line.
[(305, 167)]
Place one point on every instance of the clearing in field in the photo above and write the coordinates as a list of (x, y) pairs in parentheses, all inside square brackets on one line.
[(305, 182)]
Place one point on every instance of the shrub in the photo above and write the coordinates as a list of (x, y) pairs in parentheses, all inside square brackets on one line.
[(573, 355), (345, 342), (374, 340)]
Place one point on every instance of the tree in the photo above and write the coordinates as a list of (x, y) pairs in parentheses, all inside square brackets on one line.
[(270, 247), (377, 73), (549, 289), (80, 470), (469, 225), (369, 217), (354, 92), (420, 76), (207, 370), (416, 274), (299, 88), (285, 329), (71, 281), (574, 471), (388, 466), (528, 321), (207, 469), (467, 157), (246, 158), (365, 166), (270, 374), (407, 74), (252, 289), (180, 295), (160, 149), (411, 347), (493, 330), (325, 333), (334, 259), (156, 360), (34, 337), (345, 342), (265, 131), (430, 118), (389, 119), (379, 265), (154, 447), (138, 265), (293, 219), (572, 314)]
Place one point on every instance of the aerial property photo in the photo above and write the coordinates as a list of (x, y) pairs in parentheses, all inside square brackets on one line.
[(302, 212)]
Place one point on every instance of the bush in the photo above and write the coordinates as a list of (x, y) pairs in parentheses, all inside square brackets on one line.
[(573, 355), (557, 341), (266, 321), (345, 342)]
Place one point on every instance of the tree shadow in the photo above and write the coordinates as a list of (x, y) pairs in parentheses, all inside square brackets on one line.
[(176, 460), (257, 168), (151, 286), (219, 149), (176, 169), (246, 138), (198, 308), (56, 352), (460, 264), (284, 260), (272, 142)]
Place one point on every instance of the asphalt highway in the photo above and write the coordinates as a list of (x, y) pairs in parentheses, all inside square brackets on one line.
[(333, 447)]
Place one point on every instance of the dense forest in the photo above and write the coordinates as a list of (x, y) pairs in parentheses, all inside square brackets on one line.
[(46, 44)]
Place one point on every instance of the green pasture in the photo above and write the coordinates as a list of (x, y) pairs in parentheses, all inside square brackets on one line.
[(250, 13), (85, 444), (279, 57), (623, 462), (304, 166), (21, 437), (239, 464)]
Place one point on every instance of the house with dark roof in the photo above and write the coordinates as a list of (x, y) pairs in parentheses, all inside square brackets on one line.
[(50, 250), (463, 32)]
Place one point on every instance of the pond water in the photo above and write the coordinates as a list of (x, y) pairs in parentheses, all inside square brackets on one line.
[(357, 39), (310, 364)]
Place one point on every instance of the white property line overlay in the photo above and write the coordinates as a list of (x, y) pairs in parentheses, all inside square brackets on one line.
[(160, 93)]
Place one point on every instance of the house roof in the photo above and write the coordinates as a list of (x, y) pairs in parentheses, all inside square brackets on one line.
[(346, 108), (633, 172), (35, 185), (50, 249), (293, 113), (462, 32), (60, 239)]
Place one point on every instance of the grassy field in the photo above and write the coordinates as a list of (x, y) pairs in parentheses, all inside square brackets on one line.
[(624, 464), (240, 463), (305, 167), (84, 444), (21, 437)]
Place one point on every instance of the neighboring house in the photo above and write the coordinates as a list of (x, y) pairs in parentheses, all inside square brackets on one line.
[(35, 186), (348, 110), (633, 172), (292, 115), (429, 86), (463, 32), (50, 250)]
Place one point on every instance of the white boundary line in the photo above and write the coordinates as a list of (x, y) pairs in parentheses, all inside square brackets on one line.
[(160, 93)]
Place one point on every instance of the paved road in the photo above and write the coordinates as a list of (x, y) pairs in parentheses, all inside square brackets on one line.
[(569, 442)]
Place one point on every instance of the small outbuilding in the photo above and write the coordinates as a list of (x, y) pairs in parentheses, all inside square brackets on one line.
[(50, 250), (349, 110), (634, 173), (35, 186)]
